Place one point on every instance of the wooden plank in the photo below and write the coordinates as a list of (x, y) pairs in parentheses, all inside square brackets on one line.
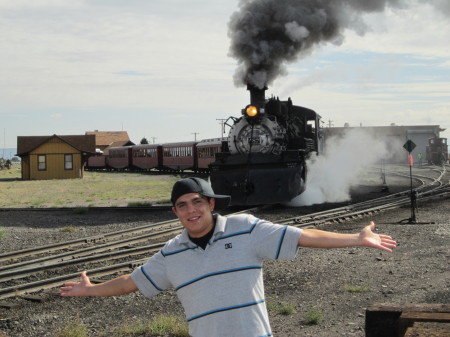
[(409, 319), (382, 319), (428, 329)]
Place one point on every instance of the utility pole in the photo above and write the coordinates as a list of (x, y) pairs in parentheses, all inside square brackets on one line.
[(195, 136), (222, 126), (153, 139), (330, 123)]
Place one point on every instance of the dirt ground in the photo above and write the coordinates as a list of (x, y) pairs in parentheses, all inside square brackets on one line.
[(337, 283)]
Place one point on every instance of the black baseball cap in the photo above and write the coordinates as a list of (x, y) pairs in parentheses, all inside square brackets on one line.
[(200, 186)]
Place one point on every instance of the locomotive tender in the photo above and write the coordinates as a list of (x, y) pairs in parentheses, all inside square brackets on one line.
[(264, 159)]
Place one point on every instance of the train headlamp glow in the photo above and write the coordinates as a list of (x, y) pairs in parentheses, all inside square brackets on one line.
[(251, 111)]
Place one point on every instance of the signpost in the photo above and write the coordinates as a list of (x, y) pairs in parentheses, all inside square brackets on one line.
[(409, 146)]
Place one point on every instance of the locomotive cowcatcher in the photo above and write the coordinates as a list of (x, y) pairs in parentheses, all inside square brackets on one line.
[(264, 159)]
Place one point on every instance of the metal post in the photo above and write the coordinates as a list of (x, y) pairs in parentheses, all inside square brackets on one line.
[(413, 199)]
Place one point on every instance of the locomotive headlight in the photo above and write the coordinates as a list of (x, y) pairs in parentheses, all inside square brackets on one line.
[(251, 111)]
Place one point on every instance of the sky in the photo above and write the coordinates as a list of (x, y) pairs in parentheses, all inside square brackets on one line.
[(161, 69)]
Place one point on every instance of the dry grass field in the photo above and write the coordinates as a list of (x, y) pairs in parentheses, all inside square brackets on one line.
[(95, 189)]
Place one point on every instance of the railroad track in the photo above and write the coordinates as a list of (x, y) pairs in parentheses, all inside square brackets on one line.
[(10, 257), (437, 188), (114, 246), (120, 250)]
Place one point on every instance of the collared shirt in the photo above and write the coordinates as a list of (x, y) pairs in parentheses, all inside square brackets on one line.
[(221, 287)]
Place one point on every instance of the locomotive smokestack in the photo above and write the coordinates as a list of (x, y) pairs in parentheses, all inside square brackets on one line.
[(257, 95)]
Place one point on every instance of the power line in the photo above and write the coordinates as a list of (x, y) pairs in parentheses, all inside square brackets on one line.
[(222, 125)]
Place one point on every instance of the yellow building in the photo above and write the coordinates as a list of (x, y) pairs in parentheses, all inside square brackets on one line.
[(54, 157)]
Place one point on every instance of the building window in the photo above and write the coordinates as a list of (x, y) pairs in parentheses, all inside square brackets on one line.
[(42, 162), (68, 162)]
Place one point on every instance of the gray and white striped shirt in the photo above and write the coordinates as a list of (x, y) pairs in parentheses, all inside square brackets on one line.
[(221, 287)]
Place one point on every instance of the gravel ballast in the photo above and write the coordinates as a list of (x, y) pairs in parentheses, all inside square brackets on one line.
[(338, 283)]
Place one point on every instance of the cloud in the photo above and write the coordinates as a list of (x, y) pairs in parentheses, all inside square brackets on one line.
[(154, 59), (56, 116), (131, 73), (420, 29)]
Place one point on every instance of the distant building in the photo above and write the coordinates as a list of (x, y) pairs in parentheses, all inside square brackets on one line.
[(394, 136), (104, 139), (117, 144), (54, 157)]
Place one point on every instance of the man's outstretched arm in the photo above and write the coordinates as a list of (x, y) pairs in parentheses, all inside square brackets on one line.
[(315, 238), (119, 286)]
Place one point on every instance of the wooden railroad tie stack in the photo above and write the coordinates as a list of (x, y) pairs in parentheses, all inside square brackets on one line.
[(408, 320)]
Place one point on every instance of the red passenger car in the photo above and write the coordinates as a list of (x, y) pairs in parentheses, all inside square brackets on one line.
[(206, 151), (97, 162), (180, 156), (119, 158), (147, 156)]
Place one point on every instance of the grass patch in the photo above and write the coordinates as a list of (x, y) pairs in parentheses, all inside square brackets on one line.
[(69, 229), (139, 204), (99, 188), (80, 210), (13, 173), (2, 233), (158, 326), (73, 329), (284, 309), (313, 316), (356, 289), (287, 309), (163, 202)]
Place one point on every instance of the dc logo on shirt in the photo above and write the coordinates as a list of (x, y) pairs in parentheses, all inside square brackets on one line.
[(228, 245)]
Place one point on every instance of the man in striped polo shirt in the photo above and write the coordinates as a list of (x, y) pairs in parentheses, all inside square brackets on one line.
[(215, 264)]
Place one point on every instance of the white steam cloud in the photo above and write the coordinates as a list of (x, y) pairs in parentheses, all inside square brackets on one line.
[(332, 174)]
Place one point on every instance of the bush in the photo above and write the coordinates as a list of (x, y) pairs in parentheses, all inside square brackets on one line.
[(313, 316), (287, 309)]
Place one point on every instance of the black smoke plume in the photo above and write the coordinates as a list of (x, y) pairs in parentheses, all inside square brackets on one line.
[(268, 34)]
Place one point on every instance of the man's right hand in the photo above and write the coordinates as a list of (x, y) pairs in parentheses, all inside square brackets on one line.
[(77, 288)]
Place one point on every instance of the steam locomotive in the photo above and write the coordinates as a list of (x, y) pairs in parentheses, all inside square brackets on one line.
[(264, 158)]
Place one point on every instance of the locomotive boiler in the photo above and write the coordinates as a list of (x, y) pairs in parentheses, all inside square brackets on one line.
[(264, 158)]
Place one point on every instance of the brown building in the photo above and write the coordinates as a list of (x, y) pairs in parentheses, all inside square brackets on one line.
[(103, 139), (54, 157)]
